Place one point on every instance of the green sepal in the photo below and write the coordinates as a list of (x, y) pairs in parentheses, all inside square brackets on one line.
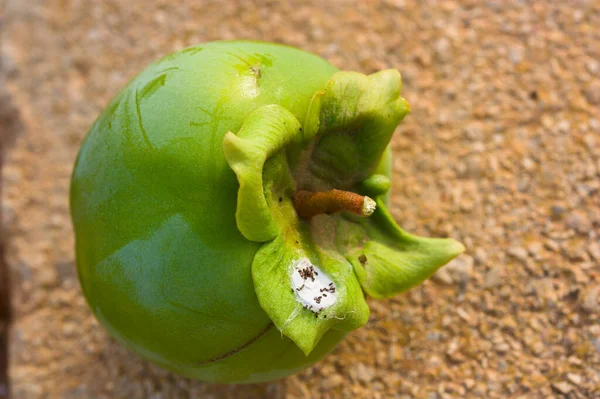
[(271, 272), (265, 132), (273, 263), (386, 259), (353, 118)]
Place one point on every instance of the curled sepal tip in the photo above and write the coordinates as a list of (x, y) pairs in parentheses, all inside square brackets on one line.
[(354, 117), (388, 260), (265, 132)]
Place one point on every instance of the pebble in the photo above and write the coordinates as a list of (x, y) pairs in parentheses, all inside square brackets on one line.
[(69, 328), (480, 256), (591, 299), (592, 93), (579, 222), (593, 66), (535, 249), (442, 49), (473, 132), (364, 373), (458, 270), (469, 383), (434, 336), (563, 387), (333, 381), (465, 316), (596, 343), (47, 276), (552, 245), (492, 278), (8, 215), (575, 379), (529, 164), (502, 348), (557, 211), (518, 253), (515, 54), (594, 250)]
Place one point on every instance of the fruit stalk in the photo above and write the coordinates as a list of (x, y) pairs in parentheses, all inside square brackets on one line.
[(309, 204)]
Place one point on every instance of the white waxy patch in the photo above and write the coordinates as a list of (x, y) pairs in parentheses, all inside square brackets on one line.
[(314, 289)]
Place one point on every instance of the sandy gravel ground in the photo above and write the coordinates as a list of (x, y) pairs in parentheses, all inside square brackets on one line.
[(501, 151)]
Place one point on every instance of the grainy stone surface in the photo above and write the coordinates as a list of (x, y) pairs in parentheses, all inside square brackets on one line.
[(501, 151)]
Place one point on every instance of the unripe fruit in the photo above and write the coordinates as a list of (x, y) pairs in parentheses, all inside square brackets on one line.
[(184, 199)]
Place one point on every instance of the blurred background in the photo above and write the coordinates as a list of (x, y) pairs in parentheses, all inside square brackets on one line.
[(501, 151)]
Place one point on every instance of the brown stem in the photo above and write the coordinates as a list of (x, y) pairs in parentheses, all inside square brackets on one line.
[(309, 204)]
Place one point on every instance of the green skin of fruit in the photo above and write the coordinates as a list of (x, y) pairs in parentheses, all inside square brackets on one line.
[(161, 260)]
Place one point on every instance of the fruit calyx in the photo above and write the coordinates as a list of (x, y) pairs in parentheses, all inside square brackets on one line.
[(302, 191)]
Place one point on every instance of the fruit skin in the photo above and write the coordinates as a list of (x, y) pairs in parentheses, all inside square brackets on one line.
[(160, 259)]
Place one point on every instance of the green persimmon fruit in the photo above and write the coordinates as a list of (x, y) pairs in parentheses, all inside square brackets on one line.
[(190, 249)]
